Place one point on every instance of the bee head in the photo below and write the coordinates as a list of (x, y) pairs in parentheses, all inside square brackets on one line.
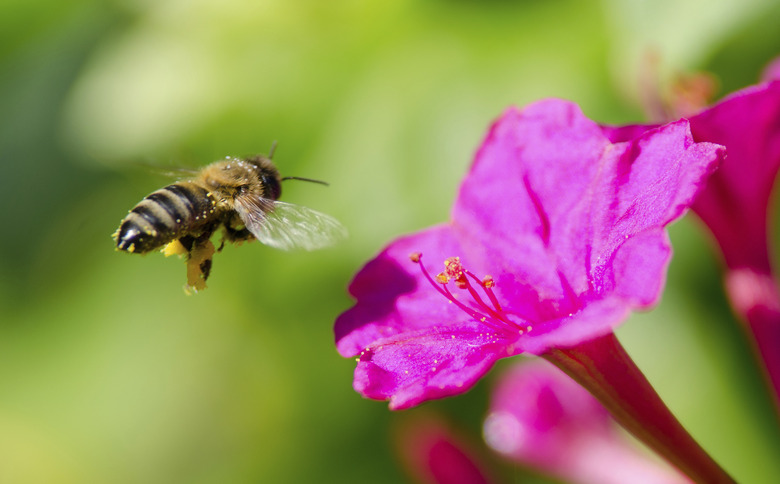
[(269, 176)]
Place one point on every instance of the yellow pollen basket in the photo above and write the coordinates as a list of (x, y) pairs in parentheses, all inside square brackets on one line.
[(174, 248)]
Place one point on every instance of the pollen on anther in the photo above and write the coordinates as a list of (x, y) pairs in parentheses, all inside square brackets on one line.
[(528, 328), (415, 257), (488, 281), (451, 260), (453, 268), (442, 278)]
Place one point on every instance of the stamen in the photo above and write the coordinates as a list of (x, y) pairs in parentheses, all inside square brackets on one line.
[(442, 288), (491, 314), (474, 314), (489, 284), (496, 306), (428, 276)]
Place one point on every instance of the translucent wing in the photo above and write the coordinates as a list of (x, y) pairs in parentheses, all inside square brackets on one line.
[(287, 226), (167, 171)]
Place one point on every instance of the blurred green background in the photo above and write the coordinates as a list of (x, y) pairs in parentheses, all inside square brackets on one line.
[(109, 373)]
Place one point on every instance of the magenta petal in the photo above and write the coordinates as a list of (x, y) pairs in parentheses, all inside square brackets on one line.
[(422, 365), (654, 178), (640, 265), (393, 295), (596, 318), (525, 190), (734, 205), (622, 134), (555, 204)]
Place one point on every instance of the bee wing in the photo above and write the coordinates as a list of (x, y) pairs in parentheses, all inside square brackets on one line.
[(288, 226), (172, 172)]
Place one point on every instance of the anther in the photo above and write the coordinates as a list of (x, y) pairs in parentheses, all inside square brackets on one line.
[(453, 268)]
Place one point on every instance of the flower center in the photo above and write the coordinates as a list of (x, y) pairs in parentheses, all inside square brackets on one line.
[(487, 312)]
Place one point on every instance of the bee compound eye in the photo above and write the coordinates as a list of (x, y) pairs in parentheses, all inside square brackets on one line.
[(272, 187)]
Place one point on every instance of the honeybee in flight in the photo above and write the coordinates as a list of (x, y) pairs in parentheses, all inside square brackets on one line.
[(241, 196)]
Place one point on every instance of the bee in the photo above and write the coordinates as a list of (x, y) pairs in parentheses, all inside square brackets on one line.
[(240, 196)]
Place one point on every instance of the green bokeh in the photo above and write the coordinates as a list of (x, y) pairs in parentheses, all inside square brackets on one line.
[(109, 373)]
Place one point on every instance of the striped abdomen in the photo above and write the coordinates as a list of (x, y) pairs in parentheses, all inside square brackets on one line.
[(165, 215)]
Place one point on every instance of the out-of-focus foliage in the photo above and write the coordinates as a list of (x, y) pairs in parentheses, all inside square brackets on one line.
[(109, 373)]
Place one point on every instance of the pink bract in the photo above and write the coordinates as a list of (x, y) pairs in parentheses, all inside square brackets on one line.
[(569, 226)]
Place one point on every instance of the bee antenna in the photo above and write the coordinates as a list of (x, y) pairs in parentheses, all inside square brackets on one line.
[(272, 150), (305, 179)]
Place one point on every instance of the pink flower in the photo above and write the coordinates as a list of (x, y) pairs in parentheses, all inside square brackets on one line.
[(541, 418), (735, 206), (555, 236)]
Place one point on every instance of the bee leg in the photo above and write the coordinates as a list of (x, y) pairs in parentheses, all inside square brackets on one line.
[(187, 242), (235, 231), (237, 235), (205, 269), (199, 265)]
